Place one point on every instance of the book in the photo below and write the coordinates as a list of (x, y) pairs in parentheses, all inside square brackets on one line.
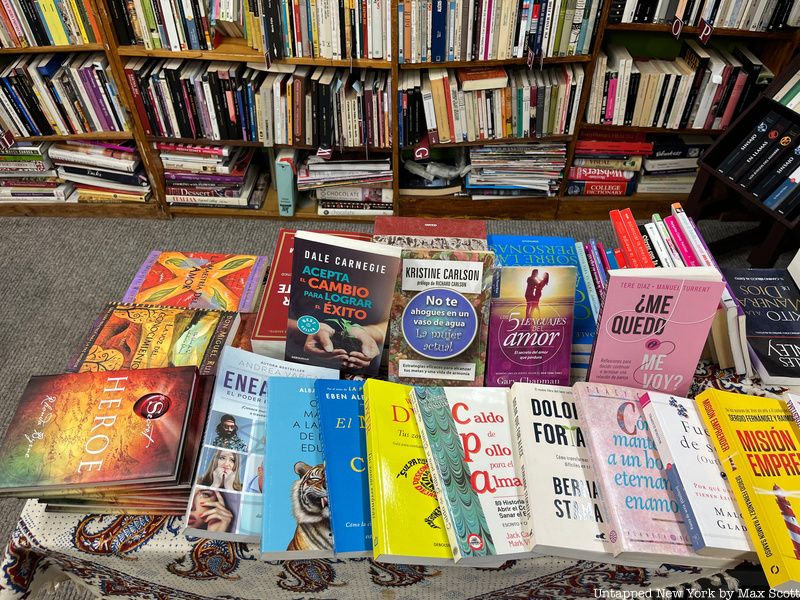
[(439, 317), (235, 432), (340, 299), (756, 440), (83, 430), (410, 232), (530, 325), (400, 479), (269, 333), (653, 326), (198, 280), (565, 516), (341, 413), (713, 521), (132, 336)]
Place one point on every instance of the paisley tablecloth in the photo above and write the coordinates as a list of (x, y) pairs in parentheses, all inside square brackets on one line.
[(147, 557)]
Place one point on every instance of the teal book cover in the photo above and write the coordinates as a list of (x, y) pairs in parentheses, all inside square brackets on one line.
[(296, 522), (341, 409)]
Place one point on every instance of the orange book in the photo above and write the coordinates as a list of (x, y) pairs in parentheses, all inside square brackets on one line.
[(623, 239), (482, 78), (642, 255)]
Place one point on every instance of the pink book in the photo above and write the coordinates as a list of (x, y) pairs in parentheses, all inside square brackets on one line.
[(611, 101), (687, 254), (733, 102), (653, 325), (644, 521)]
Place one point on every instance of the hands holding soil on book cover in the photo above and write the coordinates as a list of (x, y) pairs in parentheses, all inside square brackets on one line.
[(349, 345)]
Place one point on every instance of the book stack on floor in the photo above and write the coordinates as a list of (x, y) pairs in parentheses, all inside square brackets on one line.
[(59, 94), (607, 164), (766, 164), (222, 176), (28, 175), (752, 16), (533, 170), (50, 24), (672, 167), (702, 88), (472, 30), (465, 105)]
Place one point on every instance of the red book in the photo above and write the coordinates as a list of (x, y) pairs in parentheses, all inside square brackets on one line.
[(642, 255), (600, 188), (610, 147), (592, 174), (623, 239), (448, 100), (620, 256), (422, 227), (137, 97)]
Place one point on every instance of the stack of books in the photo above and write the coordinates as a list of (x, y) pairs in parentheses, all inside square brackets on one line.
[(789, 94), (28, 175), (59, 94), (607, 165), (50, 24), (213, 176), (468, 30), (752, 16), (702, 88), (672, 166), (102, 172), (518, 170)]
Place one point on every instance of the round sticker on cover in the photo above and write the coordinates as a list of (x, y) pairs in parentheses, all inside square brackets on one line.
[(308, 325), (439, 323)]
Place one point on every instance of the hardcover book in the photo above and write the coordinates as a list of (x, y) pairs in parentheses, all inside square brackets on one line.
[(83, 430), (442, 234), (644, 521), (341, 410), (712, 519), (297, 518), (530, 325), (132, 336), (757, 441), (565, 514), (339, 302), (231, 471), (407, 525), (468, 439), (269, 334), (440, 317), (653, 326), (198, 280)]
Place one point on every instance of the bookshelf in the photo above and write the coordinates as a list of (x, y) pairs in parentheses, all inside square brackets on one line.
[(774, 48)]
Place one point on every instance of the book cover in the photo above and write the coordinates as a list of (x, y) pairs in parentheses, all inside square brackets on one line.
[(468, 439), (269, 334), (440, 317), (757, 442), (341, 410), (565, 515), (296, 520), (407, 525), (198, 280), (80, 430), (341, 294), (444, 234), (530, 325), (713, 520), (132, 336), (653, 326), (230, 470)]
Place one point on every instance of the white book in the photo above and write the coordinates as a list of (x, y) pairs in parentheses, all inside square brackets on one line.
[(598, 79), (674, 255), (794, 16), (630, 8), (75, 64), (658, 245), (43, 93), (579, 76), (552, 26), (621, 60), (546, 33)]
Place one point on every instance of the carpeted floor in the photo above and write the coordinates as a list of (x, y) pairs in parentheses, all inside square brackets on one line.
[(57, 274)]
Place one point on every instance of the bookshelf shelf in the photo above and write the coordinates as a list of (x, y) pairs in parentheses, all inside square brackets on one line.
[(49, 49), (100, 136), (459, 64), (721, 32), (203, 142)]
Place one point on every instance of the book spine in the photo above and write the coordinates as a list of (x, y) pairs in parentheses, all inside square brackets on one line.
[(223, 335), (380, 543), (639, 247), (648, 244), (685, 250), (623, 239), (674, 255), (586, 274), (621, 260), (73, 366), (594, 270), (757, 133), (658, 245)]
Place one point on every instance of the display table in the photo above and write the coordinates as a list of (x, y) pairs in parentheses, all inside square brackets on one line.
[(148, 557)]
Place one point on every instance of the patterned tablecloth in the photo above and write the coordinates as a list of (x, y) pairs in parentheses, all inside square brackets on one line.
[(147, 557)]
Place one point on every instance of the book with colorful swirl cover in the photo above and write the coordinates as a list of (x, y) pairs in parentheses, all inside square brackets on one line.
[(407, 525), (653, 326), (200, 280), (469, 441), (84, 430)]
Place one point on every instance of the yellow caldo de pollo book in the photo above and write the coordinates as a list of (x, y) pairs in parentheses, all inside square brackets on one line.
[(407, 525), (758, 443)]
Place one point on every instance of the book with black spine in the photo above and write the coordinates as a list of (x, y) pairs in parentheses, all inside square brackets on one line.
[(752, 139), (760, 149)]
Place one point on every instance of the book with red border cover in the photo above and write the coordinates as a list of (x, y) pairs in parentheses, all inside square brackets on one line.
[(642, 255)]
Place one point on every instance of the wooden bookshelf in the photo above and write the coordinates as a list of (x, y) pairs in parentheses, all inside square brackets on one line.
[(49, 49), (100, 136), (459, 64), (80, 209)]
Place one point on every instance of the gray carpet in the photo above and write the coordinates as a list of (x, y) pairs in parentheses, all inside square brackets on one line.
[(57, 274)]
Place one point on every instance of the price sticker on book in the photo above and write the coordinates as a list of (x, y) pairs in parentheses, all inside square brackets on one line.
[(439, 323)]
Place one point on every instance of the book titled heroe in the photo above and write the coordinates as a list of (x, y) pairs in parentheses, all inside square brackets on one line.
[(340, 300), (87, 429), (530, 327), (653, 325)]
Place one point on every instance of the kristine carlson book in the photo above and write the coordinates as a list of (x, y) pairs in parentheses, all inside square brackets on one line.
[(340, 301), (530, 326)]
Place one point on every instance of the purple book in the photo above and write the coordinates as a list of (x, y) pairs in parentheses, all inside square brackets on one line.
[(90, 86), (530, 327), (204, 177)]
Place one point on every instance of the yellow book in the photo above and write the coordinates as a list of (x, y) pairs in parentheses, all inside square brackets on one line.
[(758, 443), (407, 525), (77, 18), (50, 14)]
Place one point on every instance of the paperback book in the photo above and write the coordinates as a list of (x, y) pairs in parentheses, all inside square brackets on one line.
[(441, 234)]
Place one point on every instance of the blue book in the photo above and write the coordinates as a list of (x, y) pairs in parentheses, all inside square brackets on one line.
[(20, 106), (439, 31), (296, 523), (782, 192), (341, 411), (612, 260), (520, 251)]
